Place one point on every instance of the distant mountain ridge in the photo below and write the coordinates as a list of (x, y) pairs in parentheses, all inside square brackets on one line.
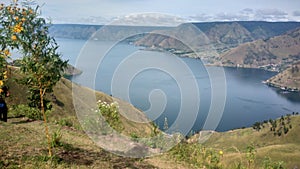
[(278, 51), (258, 29), (73, 31), (99, 32), (255, 44), (225, 35)]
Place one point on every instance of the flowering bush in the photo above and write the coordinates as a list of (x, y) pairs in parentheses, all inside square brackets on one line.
[(4, 55), (110, 111)]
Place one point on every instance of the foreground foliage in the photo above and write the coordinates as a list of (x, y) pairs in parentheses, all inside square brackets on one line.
[(23, 28)]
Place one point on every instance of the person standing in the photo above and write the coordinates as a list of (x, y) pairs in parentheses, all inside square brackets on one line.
[(3, 106)]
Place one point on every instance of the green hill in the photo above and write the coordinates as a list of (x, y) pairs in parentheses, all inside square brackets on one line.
[(23, 143), (62, 104)]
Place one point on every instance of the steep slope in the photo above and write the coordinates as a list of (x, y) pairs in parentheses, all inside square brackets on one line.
[(63, 106), (229, 33), (221, 35), (277, 52), (174, 38)]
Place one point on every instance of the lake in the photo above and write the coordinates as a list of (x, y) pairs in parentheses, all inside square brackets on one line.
[(154, 89)]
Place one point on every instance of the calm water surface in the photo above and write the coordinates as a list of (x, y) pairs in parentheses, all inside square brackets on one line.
[(247, 100)]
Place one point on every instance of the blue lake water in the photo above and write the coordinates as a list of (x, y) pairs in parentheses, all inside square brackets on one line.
[(247, 99)]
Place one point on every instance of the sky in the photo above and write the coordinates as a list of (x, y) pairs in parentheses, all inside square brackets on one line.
[(105, 11)]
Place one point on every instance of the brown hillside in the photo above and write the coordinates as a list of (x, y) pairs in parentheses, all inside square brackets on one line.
[(279, 51), (288, 79)]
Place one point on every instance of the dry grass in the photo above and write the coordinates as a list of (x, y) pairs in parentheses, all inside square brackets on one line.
[(285, 148), (23, 145)]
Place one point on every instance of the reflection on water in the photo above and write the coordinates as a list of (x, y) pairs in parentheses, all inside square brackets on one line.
[(291, 96)]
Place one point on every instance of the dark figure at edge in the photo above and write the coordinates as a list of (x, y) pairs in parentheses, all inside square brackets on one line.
[(3, 106)]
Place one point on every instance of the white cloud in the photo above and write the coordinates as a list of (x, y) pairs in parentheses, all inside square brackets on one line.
[(247, 11), (271, 15), (247, 14), (99, 11), (227, 17), (271, 12), (296, 13), (148, 19), (96, 20), (200, 17)]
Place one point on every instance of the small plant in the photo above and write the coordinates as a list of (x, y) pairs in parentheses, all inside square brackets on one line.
[(56, 139), (250, 155), (134, 136), (269, 164)]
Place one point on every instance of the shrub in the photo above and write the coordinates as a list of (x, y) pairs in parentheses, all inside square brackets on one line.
[(269, 164), (256, 126), (25, 111), (110, 111), (197, 155), (65, 122)]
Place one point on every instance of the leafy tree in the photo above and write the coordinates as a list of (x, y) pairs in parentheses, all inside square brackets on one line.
[(24, 29)]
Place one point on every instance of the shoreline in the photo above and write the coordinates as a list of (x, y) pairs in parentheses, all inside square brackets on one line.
[(281, 87)]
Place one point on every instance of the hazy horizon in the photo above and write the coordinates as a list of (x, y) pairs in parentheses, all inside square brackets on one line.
[(107, 11)]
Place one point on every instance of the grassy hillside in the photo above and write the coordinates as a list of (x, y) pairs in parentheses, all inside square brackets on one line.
[(63, 110), (285, 148), (23, 146), (23, 143)]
